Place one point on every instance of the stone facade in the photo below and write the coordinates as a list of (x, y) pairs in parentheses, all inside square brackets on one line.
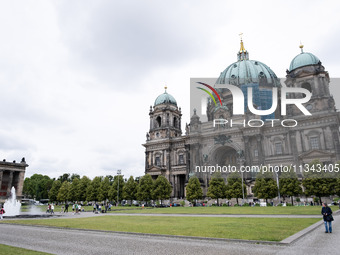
[(176, 156), (11, 174)]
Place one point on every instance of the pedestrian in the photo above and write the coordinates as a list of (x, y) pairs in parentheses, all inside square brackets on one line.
[(52, 208), (327, 217), (66, 208), (73, 208), (94, 208), (62, 209), (2, 211), (48, 208)]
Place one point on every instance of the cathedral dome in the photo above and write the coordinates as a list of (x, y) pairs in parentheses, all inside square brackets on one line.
[(165, 98), (303, 59), (246, 71)]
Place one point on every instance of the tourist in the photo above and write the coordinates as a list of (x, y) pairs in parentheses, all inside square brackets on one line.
[(327, 217), (48, 208), (66, 208), (73, 208), (94, 207), (2, 211), (62, 209), (52, 209)]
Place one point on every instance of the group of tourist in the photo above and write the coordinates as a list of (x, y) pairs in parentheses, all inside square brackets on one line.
[(50, 208), (101, 208)]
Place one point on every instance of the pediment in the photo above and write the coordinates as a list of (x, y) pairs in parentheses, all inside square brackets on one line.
[(315, 154)]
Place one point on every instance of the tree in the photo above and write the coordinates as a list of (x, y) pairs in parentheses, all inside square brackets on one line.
[(37, 186), (217, 187), (144, 189), (234, 187), (265, 187), (104, 189), (289, 185), (130, 190), (317, 181), (64, 177), (93, 189), (161, 188), (83, 185), (74, 193), (193, 189), (74, 176), (52, 195), (63, 194), (113, 192)]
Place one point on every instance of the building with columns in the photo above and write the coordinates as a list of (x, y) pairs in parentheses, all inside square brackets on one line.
[(12, 174), (176, 156)]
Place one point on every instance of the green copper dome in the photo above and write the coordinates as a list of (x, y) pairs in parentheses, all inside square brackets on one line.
[(165, 98), (246, 71), (303, 59)]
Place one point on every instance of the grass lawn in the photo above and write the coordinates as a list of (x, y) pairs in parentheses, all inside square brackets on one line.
[(265, 229), (291, 210), (11, 250)]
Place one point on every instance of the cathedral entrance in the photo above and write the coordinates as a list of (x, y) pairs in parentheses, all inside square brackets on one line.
[(225, 156), (179, 186)]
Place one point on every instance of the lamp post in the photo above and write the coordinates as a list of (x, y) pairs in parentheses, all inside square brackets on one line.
[(241, 161), (118, 173), (278, 186)]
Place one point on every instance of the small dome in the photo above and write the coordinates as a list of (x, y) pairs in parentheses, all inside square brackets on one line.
[(246, 72), (165, 98), (303, 59)]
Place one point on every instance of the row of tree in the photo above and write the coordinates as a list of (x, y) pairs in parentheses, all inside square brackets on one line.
[(116, 188), (73, 188), (315, 183)]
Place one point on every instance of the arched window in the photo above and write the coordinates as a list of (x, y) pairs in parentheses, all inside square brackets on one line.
[(307, 86), (159, 121), (175, 122)]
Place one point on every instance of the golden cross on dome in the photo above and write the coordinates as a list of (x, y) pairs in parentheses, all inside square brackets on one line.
[(242, 49), (301, 47), (165, 88)]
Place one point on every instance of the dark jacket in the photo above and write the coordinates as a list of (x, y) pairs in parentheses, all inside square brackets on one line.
[(326, 212)]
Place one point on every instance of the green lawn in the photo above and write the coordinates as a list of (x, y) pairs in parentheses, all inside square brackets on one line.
[(291, 210), (265, 229), (11, 250)]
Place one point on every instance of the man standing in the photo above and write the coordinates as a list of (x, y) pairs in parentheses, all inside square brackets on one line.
[(327, 217)]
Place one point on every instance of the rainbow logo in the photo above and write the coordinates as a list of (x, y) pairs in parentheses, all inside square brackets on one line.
[(213, 90)]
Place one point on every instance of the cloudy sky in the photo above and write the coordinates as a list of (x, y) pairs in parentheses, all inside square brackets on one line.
[(77, 78)]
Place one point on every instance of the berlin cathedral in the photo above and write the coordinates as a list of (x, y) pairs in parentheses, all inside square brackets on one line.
[(175, 155)]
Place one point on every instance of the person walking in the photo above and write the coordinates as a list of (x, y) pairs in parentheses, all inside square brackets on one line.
[(66, 208), (327, 217), (52, 208), (2, 211)]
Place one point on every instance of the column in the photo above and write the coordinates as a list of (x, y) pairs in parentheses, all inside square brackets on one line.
[(1, 174), (21, 178), (335, 136), (10, 182), (261, 155), (294, 150)]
